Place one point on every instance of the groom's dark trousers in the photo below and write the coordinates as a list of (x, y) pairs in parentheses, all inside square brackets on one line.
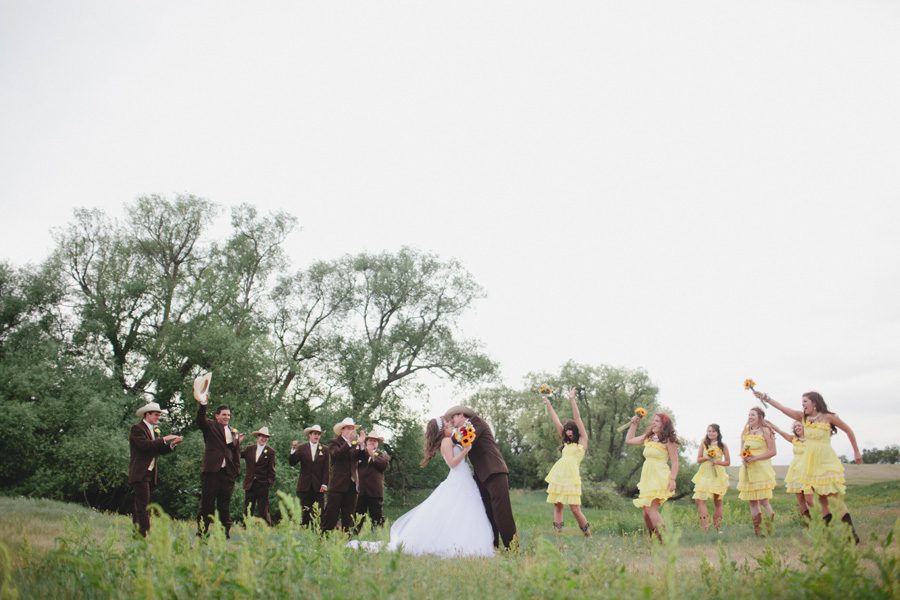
[(495, 496)]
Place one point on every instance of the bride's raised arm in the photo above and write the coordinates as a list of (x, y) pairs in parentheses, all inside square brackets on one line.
[(447, 453)]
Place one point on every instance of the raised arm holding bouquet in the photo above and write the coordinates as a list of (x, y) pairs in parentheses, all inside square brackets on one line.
[(564, 478), (821, 469)]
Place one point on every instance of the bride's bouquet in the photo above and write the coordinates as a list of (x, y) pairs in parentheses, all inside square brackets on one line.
[(464, 435)]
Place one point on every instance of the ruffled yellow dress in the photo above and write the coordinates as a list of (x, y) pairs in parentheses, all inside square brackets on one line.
[(654, 483), (756, 480), (565, 476), (821, 469), (793, 479), (710, 479)]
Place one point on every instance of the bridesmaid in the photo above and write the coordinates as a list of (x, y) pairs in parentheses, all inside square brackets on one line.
[(564, 478), (756, 479), (793, 483), (711, 478), (821, 470), (657, 482)]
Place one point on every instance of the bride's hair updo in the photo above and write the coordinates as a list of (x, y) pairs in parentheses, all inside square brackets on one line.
[(434, 435)]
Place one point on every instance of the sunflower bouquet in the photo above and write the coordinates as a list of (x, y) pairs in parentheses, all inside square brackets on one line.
[(713, 452), (749, 384), (639, 411), (745, 453), (545, 390), (464, 435)]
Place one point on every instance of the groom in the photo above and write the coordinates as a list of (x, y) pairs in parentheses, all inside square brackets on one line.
[(491, 474)]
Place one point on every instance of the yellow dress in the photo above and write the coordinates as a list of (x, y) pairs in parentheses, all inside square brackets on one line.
[(756, 480), (793, 481), (710, 479), (654, 483), (821, 469), (565, 478)]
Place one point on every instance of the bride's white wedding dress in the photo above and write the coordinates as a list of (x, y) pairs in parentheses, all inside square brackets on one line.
[(450, 522)]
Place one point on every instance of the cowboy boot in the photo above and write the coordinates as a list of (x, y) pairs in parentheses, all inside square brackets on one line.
[(704, 523), (586, 529), (827, 519), (804, 514), (757, 520), (846, 519), (557, 526), (717, 522)]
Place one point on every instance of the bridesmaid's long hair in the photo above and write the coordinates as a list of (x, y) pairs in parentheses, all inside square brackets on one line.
[(576, 435), (708, 442), (760, 418), (434, 435), (817, 399), (668, 430)]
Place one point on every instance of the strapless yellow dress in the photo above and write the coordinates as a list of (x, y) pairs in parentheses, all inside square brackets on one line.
[(710, 479), (793, 479), (821, 469), (564, 478), (654, 483), (756, 480)]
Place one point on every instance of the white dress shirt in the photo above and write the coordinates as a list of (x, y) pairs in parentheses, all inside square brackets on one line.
[(152, 437)]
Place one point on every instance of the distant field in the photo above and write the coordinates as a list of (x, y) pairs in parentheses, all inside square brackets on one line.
[(855, 474), (59, 550)]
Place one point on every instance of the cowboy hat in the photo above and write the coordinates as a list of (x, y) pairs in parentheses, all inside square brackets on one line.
[(375, 434), (348, 422), (262, 431), (201, 386), (314, 428), (455, 410), (150, 407)]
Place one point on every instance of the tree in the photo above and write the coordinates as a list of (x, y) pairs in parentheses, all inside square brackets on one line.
[(889, 455), (405, 311)]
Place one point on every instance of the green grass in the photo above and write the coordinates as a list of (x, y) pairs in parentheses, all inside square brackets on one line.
[(65, 551)]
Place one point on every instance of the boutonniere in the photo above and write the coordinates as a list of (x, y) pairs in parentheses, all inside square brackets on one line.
[(157, 431)]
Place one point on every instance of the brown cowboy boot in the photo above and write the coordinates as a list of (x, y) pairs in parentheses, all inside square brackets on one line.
[(558, 527), (586, 529), (846, 519), (757, 521)]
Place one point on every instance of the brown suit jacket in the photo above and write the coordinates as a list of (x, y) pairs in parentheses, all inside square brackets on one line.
[(262, 470), (313, 473), (343, 465), (143, 450), (485, 455), (216, 448), (371, 473)]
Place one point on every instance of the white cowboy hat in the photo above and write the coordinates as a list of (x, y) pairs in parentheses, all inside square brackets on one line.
[(151, 407), (345, 423), (262, 431), (315, 428), (201, 386), (375, 434)]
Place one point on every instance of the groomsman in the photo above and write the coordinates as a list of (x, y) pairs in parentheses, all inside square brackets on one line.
[(313, 481), (146, 443), (343, 451), (371, 464), (260, 474), (221, 462)]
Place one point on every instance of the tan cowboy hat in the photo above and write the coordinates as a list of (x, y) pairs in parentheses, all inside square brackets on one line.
[(345, 423), (262, 431), (201, 386), (150, 407), (311, 429), (375, 434), (455, 410)]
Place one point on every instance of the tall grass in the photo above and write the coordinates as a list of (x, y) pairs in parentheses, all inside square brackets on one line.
[(618, 562)]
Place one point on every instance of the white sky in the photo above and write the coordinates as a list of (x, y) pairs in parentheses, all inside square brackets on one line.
[(708, 190)]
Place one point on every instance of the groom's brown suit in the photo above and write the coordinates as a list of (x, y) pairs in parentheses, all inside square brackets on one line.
[(491, 475)]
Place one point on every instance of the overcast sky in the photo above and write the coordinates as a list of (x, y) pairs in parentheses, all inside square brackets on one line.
[(708, 190)]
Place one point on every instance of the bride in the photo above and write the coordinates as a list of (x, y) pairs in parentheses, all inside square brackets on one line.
[(452, 520)]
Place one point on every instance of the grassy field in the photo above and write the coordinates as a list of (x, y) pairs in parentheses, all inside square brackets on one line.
[(54, 550)]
